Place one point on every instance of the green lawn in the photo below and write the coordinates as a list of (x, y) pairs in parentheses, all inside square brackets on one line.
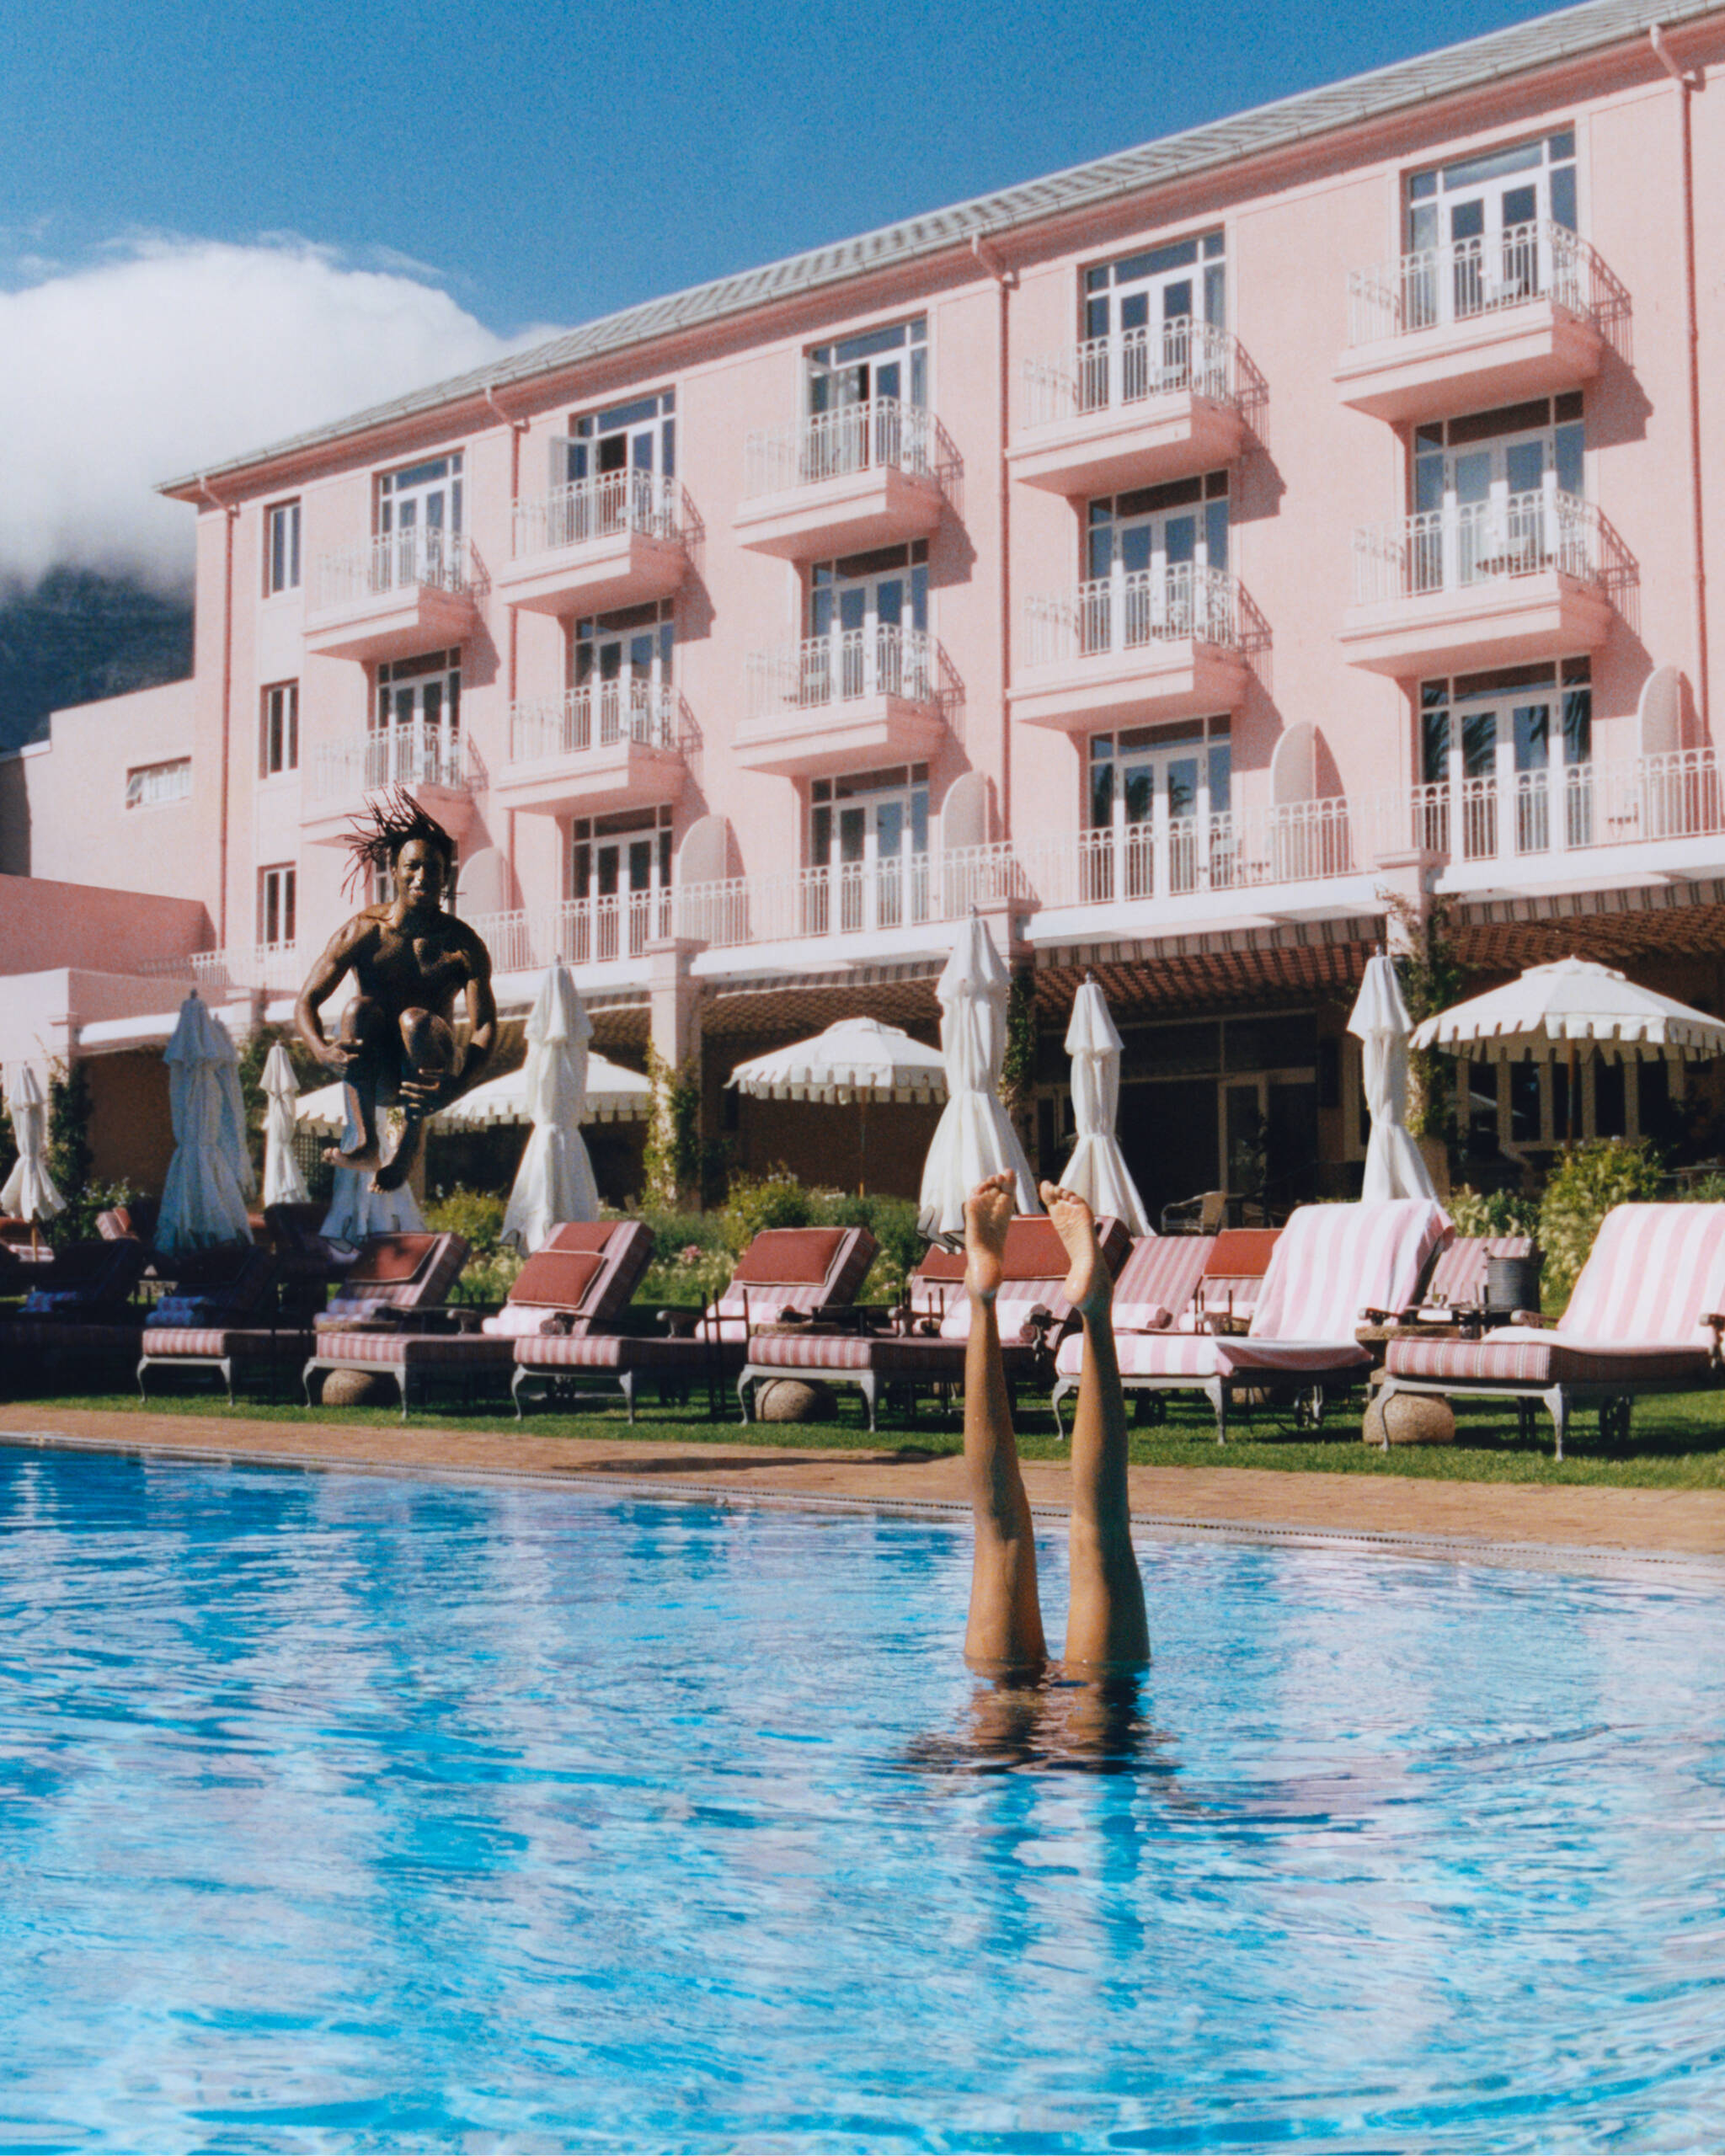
[(1677, 1442)]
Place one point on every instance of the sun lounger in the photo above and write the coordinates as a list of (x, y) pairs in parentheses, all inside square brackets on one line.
[(583, 1277), (78, 1312), (1644, 1317), (221, 1311), (1031, 1312), (1330, 1263), (404, 1271), (1159, 1290), (785, 1273)]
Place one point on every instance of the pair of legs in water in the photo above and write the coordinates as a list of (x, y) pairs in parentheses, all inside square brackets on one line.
[(1106, 1632)]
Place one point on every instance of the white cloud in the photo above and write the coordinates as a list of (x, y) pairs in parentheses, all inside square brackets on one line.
[(176, 353)]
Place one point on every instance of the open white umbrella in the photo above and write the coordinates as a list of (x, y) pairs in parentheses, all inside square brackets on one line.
[(283, 1184), (857, 1059), (210, 1177), (554, 1182), (614, 1095), (975, 1136), (29, 1193), (1395, 1167), (1551, 1011), (1097, 1169)]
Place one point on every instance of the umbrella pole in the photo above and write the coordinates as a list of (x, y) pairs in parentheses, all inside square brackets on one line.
[(1572, 1094), (863, 1145)]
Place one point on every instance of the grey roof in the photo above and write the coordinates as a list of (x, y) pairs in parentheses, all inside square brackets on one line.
[(1568, 34)]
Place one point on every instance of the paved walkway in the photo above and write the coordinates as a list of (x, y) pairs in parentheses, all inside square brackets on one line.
[(1472, 1518)]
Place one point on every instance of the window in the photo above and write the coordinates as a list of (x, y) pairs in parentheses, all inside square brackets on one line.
[(1498, 493), (639, 436), (1160, 529), (420, 524), (281, 548), (278, 730), (890, 364), (148, 786), (1146, 320), (276, 898), (1496, 748), (415, 737), (620, 670), (1151, 787), (620, 866), (870, 832), (1490, 231), (867, 627)]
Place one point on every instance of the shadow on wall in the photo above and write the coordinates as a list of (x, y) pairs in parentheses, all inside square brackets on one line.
[(14, 818)]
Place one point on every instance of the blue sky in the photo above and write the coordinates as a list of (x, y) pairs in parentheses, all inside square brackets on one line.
[(548, 163)]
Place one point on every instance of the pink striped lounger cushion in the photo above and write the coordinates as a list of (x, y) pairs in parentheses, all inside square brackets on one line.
[(625, 1350), (477, 1350), (1525, 1355), (230, 1343)]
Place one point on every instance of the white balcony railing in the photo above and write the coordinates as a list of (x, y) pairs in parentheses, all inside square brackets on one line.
[(591, 931), (1164, 359), (1467, 278), (607, 507), (599, 715), (1504, 814), (393, 755), (850, 664), (396, 561), (850, 898), (1128, 610), (882, 432), (1477, 543), (1175, 856)]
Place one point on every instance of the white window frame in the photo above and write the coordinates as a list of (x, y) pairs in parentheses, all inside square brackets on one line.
[(282, 548), (278, 901), (156, 786), (278, 729)]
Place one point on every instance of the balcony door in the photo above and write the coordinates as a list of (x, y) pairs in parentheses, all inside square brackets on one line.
[(1508, 762), (419, 522), (1481, 228), (1139, 317), (866, 395), (869, 846), (1146, 556), (868, 624), (619, 885), (620, 672), (1158, 807), (610, 472), (1491, 491), (415, 737)]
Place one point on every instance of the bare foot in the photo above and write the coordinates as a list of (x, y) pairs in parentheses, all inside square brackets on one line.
[(1089, 1286), (988, 1214), (392, 1177), (362, 1158)]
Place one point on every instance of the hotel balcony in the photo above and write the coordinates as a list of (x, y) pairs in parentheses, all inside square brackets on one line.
[(1156, 644), (389, 597), (603, 938), (869, 475), (1130, 410), (436, 764), (1476, 324), (1486, 583), (1589, 827), (855, 912), (608, 744), (618, 539), (858, 698)]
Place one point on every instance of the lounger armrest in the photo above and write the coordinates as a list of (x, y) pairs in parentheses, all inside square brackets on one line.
[(1037, 1328), (1538, 1321), (1370, 1316), (680, 1324)]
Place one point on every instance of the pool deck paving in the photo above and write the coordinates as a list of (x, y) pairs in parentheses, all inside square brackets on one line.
[(1541, 1522)]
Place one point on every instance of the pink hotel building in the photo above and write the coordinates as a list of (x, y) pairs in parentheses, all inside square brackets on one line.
[(1178, 559)]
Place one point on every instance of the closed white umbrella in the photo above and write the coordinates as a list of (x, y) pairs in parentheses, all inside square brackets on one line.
[(30, 1193), (283, 1184), (857, 1059), (1097, 1169), (1551, 1011), (1394, 1166), (355, 1210), (210, 1177), (975, 1136), (554, 1182)]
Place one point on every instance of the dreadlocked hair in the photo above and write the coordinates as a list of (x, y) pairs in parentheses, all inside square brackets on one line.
[(394, 820)]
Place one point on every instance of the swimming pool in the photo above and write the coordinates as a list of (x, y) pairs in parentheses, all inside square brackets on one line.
[(347, 1813)]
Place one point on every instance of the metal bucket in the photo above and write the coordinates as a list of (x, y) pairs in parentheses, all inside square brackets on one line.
[(1513, 1283)]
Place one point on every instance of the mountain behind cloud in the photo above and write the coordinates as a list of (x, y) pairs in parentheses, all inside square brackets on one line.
[(175, 355)]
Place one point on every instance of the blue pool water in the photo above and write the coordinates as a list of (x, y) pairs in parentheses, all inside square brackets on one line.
[(351, 1814)]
